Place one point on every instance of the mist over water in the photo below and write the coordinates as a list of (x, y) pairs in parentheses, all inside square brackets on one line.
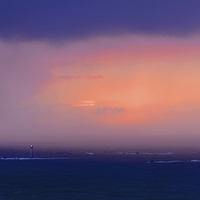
[(148, 154)]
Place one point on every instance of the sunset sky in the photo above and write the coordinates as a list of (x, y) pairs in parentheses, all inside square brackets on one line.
[(100, 73)]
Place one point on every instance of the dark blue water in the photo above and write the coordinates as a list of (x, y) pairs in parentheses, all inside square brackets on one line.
[(98, 179)]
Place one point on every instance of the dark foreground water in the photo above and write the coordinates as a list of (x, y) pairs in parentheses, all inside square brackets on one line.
[(85, 178)]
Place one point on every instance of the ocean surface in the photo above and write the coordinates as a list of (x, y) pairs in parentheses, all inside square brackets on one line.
[(120, 176)]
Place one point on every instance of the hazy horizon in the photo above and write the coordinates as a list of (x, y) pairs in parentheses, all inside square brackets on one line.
[(100, 74)]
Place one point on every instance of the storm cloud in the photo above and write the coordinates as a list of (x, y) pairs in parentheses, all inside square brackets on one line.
[(57, 20)]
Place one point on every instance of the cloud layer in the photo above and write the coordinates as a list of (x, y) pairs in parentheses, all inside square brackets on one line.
[(60, 95), (57, 20), (84, 76), (104, 110)]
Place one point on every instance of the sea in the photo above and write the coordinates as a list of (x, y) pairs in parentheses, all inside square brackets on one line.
[(101, 175)]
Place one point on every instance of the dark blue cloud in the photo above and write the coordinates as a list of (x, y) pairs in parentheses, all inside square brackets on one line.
[(77, 19), (104, 110)]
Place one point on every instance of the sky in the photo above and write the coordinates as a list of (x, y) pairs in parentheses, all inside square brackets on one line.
[(103, 73)]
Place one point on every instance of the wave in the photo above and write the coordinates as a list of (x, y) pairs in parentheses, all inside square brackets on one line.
[(171, 161), (168, 153), (144, 153), (195, 160), (89, 153), (127, 153), (163, 161), (51, 158)]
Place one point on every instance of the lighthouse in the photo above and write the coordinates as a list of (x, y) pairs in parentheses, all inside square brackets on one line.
[(31, 151)]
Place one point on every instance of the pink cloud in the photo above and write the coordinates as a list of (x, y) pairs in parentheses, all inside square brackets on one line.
[(94, 77), (105, 110), (83, 104), (84, 76)]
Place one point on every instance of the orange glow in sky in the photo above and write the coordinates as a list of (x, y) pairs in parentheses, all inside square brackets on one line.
[(140, 84), (101, 88)]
